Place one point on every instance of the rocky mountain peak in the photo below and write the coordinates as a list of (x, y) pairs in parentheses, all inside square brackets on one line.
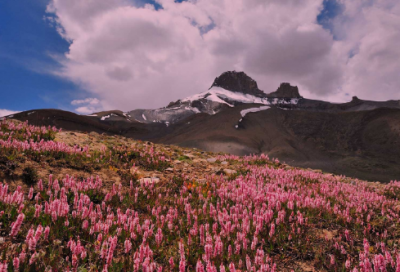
[(286, 90), (238, 82)]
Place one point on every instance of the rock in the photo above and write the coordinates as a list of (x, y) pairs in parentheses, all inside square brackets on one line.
[(328, 234), (286, 91), (177, 162), (169, 169), (135, 170), (355, 99), (225, 163), (199, 160), (238, 82), (2, 240), (149, 180), (186, 164), (212, 160), (57, 242), (229, 172)]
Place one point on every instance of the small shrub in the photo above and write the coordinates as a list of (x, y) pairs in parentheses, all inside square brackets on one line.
[(184, 158), (8, 165), (29, 176)]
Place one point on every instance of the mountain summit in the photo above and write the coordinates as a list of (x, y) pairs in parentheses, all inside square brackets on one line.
[(238, 82), (286, 90)]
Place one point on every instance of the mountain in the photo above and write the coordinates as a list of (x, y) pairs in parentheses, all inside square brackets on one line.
[(359, 138), (228, 90)]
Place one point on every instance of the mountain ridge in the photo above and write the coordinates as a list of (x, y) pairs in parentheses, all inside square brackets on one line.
[(357, 138)]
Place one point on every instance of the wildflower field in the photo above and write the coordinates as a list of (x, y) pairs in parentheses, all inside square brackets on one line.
[(261, 215)]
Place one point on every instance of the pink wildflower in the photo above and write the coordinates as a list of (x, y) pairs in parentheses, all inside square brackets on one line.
[(17, 225), (16, 263)]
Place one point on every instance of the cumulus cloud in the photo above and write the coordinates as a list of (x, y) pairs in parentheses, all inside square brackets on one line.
[(371, 35), (91, 101), (86, 110), (87, 106), (4, 112), (134, 56)]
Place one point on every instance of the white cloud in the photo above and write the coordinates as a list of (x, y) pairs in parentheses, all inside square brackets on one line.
[(90, 101), (138, 57), (88, 105), (371, 38), (4, 112), (86, 110)]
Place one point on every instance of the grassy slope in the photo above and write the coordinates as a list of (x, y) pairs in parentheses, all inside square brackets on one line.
[(305, 218)]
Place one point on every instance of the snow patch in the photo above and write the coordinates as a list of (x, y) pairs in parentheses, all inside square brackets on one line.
[(104, 117), (212, 95), (94, 115), (29, 113), (176, 108), (144, 117), (219, 95), (195, 110), (246, 111)]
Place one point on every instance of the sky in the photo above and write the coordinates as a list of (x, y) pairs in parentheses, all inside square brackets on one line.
[(93, 55)]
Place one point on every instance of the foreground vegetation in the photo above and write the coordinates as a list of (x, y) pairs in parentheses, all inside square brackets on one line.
[(263, 216)]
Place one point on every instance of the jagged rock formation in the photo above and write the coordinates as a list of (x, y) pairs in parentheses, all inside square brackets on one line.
[(238, 82), (286, 91)]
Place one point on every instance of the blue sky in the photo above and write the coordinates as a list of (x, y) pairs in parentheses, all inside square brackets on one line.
[(30, 47), (26, 44)]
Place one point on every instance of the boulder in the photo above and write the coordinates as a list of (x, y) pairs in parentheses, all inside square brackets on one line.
[(143, 181), (229, 172)]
